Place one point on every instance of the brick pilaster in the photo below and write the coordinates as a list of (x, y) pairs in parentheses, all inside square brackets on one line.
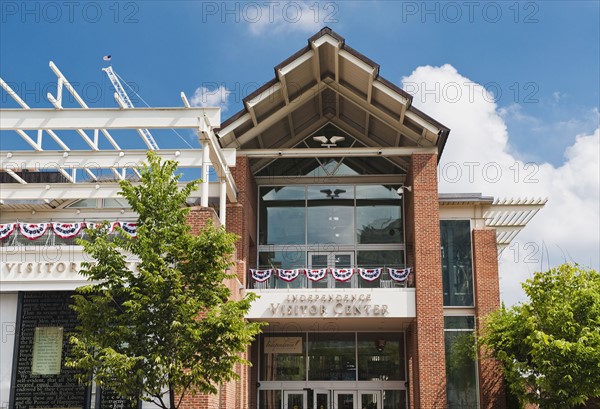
[(487, 296), (423, 250)]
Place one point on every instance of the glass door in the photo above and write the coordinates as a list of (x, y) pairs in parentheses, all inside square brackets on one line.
[(370, 400), (294, 400), (339, 260), (344, 400), (321, 399), (343, 261)]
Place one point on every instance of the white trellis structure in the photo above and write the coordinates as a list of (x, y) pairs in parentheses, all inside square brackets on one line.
[(50, 151), (510, 216)]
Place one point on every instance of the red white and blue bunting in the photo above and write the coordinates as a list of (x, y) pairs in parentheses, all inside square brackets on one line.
[(33, 231), (261, 275), (316, 274), (67, 230), (399, 274), (342, 274), (289, 275), (110, 227), (130, 228), (370, 274), (7, 229)]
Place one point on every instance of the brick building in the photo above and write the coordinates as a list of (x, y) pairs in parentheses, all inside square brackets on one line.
[(370, 280)]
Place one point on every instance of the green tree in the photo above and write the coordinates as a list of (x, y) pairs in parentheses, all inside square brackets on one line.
[(140, 333), (549, 347)]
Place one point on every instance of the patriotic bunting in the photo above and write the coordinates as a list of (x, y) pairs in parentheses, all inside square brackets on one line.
[(110, 226), (342, 274), (369, 274), (289, 275), (7, 229), (399, 274), (67, 230), (261, 275), (316, 274), (33, 230), (130, 228)]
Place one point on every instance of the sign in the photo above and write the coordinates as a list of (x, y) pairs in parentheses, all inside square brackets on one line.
[(283, 345), (47, 351), (45, 317), (328, 305)]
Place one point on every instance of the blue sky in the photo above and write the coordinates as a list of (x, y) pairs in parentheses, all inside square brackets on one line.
[(540, 59), (535, 111)]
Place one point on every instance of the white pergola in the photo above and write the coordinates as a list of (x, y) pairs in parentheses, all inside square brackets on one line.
[(41, 129)]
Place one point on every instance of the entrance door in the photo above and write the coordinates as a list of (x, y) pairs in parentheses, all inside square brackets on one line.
[(321, 399), (294, 400), (339, 259), (370, 400), (344, 400)]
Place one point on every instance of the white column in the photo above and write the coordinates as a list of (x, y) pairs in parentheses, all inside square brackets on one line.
[(223, 202), (205, 166)]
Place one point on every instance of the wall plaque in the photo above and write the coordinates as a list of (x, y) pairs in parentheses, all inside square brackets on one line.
[(47, 350)]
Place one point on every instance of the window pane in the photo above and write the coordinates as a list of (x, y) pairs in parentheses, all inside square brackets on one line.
[(331, 214), (457, 270), (270, 399), (381, 357), (459, 322), (283, 358), (461, 380), (378, 222), (378, 215), (332, 357), (282, 215), (85, 204), (381, 258), (290, 258), (394, 399)]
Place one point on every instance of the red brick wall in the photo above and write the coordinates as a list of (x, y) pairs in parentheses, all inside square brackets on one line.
[(487, 296), (241, 216), (232, 395), (428, 390), (198, 216)]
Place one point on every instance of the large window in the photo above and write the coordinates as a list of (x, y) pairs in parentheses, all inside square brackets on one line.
[(332, 357), (461, 367), (380, 357), (457, 270), (282, 215), (283, 357), (337, 356)]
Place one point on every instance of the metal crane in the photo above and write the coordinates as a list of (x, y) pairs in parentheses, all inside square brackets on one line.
[(124, 101)]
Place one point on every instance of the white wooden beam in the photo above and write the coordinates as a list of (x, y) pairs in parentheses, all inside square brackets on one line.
[(71, 191), (19, 160), (278, 115), (334, 152), (337, 179), (105, 118)]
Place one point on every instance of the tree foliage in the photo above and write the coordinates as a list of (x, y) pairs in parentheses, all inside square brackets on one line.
[(140, 333), (549, 347)]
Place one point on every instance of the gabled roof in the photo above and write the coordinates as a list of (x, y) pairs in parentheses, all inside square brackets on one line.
[(328, 83)]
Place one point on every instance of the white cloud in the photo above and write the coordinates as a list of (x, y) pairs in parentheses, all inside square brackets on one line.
[(478, 158), (205, 97), (286, 17)]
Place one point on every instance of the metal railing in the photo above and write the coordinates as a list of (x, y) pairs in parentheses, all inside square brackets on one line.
[(356, 281)]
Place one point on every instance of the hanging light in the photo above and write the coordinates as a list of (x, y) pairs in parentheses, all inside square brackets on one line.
[(380, 344)]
